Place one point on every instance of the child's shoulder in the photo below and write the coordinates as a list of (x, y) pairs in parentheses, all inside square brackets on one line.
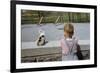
[(75, 39), (62, 39)]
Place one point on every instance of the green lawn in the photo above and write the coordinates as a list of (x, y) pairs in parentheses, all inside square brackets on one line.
[(33, 17)]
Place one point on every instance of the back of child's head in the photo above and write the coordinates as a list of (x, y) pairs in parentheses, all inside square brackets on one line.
[(69, 29)]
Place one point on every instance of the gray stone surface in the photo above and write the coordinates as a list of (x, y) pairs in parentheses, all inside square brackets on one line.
[(29, 32)]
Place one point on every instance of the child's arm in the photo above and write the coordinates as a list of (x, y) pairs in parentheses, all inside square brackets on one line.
[(78, 47), (79, 53), (64, 47)]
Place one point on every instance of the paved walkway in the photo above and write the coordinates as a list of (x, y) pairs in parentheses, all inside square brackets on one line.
[(51, 44)]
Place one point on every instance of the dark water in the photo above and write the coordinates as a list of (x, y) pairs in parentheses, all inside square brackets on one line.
[(30, 32)]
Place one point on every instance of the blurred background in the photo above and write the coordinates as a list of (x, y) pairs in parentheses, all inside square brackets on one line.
[(33, 17)]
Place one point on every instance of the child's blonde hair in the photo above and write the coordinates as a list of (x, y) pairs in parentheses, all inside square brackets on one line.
[(69, 28)]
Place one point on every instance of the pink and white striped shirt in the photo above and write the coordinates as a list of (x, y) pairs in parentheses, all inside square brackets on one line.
[(68, 44)]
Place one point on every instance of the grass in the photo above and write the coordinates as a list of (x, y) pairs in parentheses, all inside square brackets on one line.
[(33, 17)]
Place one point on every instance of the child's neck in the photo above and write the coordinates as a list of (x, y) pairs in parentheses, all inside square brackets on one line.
[(67, 36)]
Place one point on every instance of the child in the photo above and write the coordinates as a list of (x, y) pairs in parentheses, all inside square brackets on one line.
[(69, 44)]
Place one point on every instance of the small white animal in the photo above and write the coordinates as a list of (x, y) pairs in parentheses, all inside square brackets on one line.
[(41, 40)]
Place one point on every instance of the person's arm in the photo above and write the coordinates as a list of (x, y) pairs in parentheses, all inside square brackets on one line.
[(78, 48), (79, 53), (64, 47)]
